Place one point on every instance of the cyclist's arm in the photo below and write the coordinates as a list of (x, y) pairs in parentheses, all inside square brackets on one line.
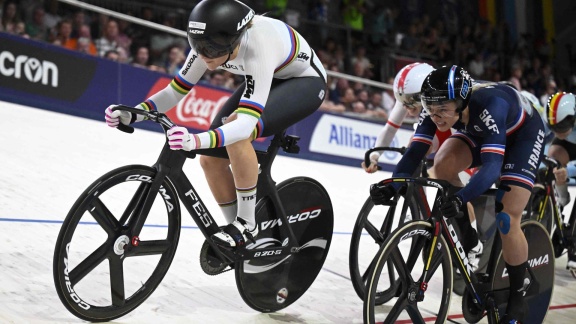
[(182, 83), (259, 64), (420, 144), (491, 153), (394, 122)]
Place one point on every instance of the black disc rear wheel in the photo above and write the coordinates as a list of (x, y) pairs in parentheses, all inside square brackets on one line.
[(271, 283), (101, 270), (541, 260)]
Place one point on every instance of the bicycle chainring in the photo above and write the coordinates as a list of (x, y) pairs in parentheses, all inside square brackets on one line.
[(211, 263)]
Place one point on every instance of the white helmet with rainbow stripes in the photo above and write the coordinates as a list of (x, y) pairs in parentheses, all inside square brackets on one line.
[(561, 111)]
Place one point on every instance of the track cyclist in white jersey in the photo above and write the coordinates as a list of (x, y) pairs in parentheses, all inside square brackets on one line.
[(284, 83)]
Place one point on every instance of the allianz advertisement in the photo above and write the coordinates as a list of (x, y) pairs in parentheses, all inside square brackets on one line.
[(350, 138)]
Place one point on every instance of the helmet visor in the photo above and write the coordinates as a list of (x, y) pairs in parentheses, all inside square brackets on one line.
[(563, 126), (209, 48), (442, 109)]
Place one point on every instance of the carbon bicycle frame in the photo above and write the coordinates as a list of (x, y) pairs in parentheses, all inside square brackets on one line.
[(170, 165)]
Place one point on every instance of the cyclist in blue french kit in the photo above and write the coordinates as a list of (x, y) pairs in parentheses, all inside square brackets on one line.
[(560, 115), (284, 83), (499, 129)]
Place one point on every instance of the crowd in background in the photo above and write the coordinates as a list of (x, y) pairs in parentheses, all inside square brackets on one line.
[(486, 51)]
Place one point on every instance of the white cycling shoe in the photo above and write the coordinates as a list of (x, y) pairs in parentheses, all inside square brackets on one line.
[(235, 234), (474, 255)]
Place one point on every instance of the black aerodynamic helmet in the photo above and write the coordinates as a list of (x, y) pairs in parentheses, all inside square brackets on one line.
[(448, 83), (215, 27)]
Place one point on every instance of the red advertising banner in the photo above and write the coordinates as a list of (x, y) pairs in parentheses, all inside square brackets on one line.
[(197, 109)]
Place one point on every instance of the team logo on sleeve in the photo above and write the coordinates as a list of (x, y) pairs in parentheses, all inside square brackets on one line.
[(249, 87), (189, 64), (303, 57)]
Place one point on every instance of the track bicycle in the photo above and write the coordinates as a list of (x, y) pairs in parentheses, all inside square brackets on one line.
[(134, 213), (543, 207), (374, 224), (423, 253)]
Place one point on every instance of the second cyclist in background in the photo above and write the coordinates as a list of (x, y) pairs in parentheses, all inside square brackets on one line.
[(499, 129), (561, 115), (407, 85)]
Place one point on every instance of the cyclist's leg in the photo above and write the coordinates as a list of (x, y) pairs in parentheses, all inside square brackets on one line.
[(510, 203), (291, 101), (217, 170), (458, 153), (516, 182)]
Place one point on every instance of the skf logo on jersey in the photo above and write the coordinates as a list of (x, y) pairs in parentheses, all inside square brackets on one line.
[(189, 64), (489, 121), (245, 20), (303, 56), (30, 68), (249, 87)]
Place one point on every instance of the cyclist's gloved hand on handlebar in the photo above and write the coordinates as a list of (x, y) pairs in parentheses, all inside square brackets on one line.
[(381, 194), (180, 139), (113, 118), (373, 167), (451, 206)]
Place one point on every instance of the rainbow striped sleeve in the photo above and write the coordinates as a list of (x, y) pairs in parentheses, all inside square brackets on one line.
[(294, 50), (180, 85)]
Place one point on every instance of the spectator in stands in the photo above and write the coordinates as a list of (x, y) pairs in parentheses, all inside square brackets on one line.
[(160, 42), (551, 89), (476, 66), (112, 55), (109, 39), (141, 57), (362, 65), (411, 41), (78, 20), (348, 99), (98, 26), (375, 108), (35, 27), (84, 41), (63, 35), (516, 77), (10, 17), (174, 60), (353, 14)]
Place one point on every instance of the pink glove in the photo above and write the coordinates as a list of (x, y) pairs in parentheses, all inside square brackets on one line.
[(180, 139), (113, 118)]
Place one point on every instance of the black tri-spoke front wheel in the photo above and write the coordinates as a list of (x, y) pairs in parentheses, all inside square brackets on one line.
[(102, 268), (425, 278)]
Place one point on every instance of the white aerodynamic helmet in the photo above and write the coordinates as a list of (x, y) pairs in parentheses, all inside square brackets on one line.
[(561, 111), (408, 83)]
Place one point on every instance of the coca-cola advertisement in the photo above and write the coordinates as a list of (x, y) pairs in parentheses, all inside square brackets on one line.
[(198, 108)]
